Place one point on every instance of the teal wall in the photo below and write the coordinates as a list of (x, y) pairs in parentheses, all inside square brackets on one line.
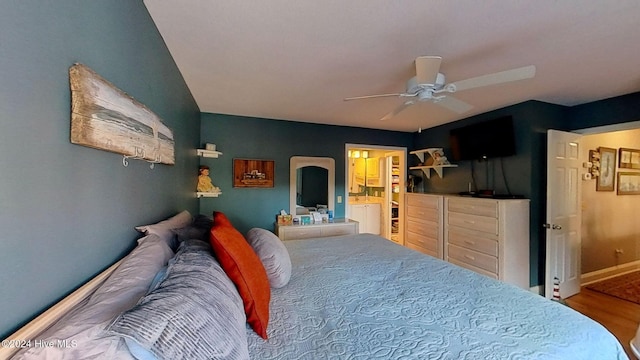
[(253, 138), (615, 110), (68, 211)]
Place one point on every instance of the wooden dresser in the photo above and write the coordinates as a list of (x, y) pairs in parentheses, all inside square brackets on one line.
[(336, 228), (423, 224), (488, 236)]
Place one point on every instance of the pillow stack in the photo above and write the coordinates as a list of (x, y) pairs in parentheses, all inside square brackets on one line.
[(195, 312)]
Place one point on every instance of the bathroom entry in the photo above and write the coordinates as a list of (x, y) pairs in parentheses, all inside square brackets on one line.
[(375, 186)]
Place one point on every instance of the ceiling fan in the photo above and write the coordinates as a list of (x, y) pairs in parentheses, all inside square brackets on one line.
[(429, 85)]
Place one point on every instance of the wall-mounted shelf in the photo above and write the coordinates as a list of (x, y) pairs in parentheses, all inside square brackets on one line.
[(208, 153), (200, 194), (427, 169), (436, 155)]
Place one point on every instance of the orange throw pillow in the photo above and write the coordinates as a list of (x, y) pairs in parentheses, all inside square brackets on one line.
[(245, 269)]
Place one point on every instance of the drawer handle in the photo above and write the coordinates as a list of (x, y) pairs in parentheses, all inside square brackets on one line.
[(469, 242), (470, 257), (469, 222)]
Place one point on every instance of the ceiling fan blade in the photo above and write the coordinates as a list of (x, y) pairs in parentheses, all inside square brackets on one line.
[(371, 96), (427, 68), (398, 109), (453, 104), (522, 73)]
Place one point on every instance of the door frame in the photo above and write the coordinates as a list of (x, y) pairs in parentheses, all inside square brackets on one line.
[(403, 175), (584, 131)]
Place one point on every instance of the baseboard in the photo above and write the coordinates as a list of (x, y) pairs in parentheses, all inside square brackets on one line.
[(591, 277)]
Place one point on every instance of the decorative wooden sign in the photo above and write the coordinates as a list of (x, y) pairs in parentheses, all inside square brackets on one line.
[(106, 118), (253, 173)]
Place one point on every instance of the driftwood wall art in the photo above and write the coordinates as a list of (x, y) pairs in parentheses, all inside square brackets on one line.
[(106, 118)]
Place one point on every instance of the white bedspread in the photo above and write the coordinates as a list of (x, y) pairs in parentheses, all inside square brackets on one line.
[(363, 297)]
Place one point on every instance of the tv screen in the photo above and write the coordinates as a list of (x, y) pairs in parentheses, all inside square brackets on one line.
[(488, 139)]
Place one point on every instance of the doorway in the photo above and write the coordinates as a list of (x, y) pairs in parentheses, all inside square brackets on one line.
[(375, 178), (605, 241)]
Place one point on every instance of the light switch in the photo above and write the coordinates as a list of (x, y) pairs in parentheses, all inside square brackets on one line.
[(339, 199)]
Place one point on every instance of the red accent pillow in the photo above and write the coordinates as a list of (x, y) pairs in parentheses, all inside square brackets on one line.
[(245, 269)]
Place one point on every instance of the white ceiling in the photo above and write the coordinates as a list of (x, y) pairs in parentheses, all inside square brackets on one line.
[(297, 59)]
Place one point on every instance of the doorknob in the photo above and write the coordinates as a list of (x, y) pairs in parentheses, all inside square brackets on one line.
[(556, 227)]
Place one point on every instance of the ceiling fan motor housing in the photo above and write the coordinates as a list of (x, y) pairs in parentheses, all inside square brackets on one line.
[(413, 87)]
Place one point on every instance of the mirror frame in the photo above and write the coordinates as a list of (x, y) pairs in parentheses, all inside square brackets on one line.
[(297, 162)]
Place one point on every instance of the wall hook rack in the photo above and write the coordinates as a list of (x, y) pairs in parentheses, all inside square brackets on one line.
[(139, 155)]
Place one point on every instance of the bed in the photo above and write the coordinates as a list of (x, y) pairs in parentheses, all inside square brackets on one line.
[(346, 297)]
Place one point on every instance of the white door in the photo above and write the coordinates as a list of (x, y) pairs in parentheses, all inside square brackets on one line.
[(563, 213)]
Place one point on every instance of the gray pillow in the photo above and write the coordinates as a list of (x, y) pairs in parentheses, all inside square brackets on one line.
[(126, 285), (164, 229), (199, 229), (194, 313), (273, 254)]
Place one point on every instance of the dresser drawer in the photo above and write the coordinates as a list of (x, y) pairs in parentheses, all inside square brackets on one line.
[(473, 268), (430, 202), (473, 222), (422, 249), (476, 207), (422, 213), (481, 244), (338, 230), (427, 242), (474, 258), (301, 232), (423, 228)]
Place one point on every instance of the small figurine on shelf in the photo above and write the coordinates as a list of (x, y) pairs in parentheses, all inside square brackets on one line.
[(439, 158), (204, 181)]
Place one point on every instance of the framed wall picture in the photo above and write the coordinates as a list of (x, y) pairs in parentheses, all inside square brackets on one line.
[(629, 183), (606, 180), (629, 158), (253, 173)]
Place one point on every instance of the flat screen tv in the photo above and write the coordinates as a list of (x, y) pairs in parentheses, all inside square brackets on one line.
[(488, 139)]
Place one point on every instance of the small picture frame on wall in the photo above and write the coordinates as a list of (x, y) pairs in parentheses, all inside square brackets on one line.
[(629, 183), (629, 158), (253, 173), (607, 176)]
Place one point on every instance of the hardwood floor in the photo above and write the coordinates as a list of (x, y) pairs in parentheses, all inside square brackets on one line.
[(619, 316)]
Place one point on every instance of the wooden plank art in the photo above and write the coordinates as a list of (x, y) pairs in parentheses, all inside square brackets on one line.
[(106, 118), (253, 173)]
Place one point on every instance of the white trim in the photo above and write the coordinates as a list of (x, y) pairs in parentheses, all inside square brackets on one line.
[(609, 128), (49, 317), (636, 351), (591, 277), (539, 289)]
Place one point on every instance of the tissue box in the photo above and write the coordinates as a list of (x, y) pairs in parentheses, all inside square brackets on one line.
[(284, 219)]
